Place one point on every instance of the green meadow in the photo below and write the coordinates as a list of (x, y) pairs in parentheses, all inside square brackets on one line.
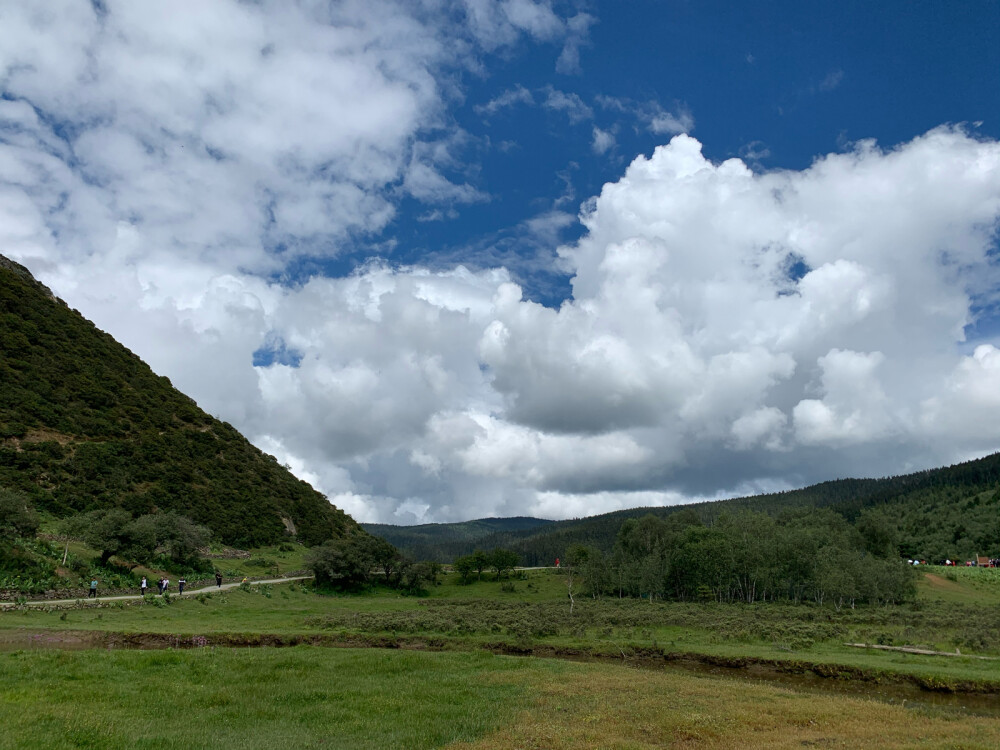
[(471, 667), (309, 697), (956, 612)]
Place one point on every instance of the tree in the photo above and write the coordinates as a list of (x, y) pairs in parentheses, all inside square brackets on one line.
[(415, 576), (181, 536), (878, 532), (341, 563), (837, 576), (595, 572), (503, 561), (106, 531), (575, 559), (751, 541), (17, 516), (465, 566), (389, 559), (140, 539), (480, 562), (115, 532)]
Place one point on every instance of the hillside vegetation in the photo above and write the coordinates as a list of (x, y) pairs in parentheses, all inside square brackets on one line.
[(951, 512), (86, 425), (444, 542)]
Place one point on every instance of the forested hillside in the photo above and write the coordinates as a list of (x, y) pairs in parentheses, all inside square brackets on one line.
[(445, 541), (85, 424), (952, 512)]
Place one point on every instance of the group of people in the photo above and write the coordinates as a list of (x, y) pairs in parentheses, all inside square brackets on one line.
[(161, 585)]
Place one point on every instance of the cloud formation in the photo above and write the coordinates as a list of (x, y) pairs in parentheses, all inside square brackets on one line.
[(729, 330), (726, 326)]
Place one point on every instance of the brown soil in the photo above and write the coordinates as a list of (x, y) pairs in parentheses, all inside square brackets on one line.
[(45, 436), (941, 583)]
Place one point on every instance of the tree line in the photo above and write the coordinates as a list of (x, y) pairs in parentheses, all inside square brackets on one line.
[(748, 556), (501, 561)]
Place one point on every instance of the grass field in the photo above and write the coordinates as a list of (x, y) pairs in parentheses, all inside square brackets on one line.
[(956, 585), (536, 615), (306, 697), (439, 687)]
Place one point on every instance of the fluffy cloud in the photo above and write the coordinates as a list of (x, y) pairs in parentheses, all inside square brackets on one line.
[(729, 330), (778, 312)]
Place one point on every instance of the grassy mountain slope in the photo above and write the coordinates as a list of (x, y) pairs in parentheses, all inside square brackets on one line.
[(949, 512), (86, 424)]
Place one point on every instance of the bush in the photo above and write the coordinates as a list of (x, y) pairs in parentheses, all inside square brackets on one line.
[(156, 601)]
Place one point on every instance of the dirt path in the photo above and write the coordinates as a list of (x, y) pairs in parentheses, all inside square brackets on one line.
[(937, 582), (188, 592)]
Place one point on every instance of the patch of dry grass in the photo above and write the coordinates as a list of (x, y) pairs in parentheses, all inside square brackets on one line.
[(590, 706)]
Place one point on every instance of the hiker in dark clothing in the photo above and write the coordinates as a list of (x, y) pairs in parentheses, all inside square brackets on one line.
[(180, 585), (93, 589), (218, 579)]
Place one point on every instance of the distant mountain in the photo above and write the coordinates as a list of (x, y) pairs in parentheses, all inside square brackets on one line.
[(85, 424), (445, 541), (951, 512)]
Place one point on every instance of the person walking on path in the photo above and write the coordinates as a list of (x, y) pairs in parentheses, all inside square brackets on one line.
[(180, 585), (142, 587), (93, 589), (166, 585), (218, 579), (159, 585)]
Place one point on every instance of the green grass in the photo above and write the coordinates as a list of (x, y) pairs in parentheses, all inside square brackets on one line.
[(307, 697), (536, 615), (282, 559), (959, 585), (245, 698)]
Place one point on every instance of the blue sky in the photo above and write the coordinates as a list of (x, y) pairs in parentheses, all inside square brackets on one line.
[(450, 259), (785, 81)]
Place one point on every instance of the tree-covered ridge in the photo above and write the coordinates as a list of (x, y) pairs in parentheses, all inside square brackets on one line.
[(951, 512), (445, 541), (85, 424)]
